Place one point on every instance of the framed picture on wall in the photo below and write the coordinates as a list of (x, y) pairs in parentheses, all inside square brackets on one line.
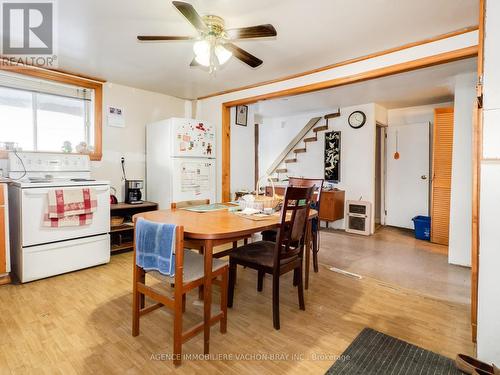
[(241, 115), (332, 156)]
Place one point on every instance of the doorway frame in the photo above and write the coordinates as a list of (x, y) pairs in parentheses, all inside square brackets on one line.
[(383, 170), (477, 157), (464, 53), (443, 58)]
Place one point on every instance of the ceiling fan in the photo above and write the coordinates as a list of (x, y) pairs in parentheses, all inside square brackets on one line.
[(213, 46)]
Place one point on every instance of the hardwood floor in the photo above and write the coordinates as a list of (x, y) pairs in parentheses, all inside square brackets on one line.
[(80, 323), (394, 256)]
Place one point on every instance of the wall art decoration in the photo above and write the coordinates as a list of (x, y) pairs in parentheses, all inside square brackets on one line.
[(242, 115), (332, 156)]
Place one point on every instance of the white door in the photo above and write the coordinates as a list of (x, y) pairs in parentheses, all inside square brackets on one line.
[(407, 190), (193, 179)]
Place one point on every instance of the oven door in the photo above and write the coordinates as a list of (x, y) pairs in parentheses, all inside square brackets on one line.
[(34, 207)]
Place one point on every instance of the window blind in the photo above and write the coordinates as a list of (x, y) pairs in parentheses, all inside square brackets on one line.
[(26, 83)]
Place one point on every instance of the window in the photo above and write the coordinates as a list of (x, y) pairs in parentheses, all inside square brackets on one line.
[(40, 115), (16, 117)]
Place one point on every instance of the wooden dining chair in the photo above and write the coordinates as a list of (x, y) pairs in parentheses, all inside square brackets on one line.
[(318, 188), (317, 183), (187, 204), (282, 256), (189, 274)]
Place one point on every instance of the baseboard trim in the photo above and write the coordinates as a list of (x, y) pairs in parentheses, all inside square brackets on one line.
[(5, 279)]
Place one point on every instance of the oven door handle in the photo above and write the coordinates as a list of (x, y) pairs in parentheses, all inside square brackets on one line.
[(46, 191)]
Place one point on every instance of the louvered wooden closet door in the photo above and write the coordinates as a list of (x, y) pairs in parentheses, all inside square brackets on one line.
[(441, 179)]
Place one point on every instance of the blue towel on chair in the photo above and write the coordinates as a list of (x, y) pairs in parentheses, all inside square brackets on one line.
[(155, 246)]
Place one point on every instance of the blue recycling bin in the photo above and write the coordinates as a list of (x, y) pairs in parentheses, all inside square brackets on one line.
[(422, 227)]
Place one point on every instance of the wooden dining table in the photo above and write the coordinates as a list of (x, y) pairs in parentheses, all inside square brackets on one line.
[(215, 228)]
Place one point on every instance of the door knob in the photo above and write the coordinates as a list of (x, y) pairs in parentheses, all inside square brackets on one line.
[(423, 177)]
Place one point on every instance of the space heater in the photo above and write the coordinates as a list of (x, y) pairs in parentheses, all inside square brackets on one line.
[(358, 217)]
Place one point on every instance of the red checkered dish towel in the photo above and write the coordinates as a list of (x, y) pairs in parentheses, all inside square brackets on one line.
[(70, 207)]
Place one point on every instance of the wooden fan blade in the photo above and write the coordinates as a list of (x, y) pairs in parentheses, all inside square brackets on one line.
[(260, 31), (243, 55), (148, 38), (191, 15)]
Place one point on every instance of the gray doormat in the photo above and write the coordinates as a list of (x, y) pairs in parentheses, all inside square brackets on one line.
[(372, 352)]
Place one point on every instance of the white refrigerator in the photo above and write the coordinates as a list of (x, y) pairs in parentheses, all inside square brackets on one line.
[(180, 161)]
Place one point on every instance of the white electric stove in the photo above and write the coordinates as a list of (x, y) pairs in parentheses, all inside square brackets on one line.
[(39, 251)]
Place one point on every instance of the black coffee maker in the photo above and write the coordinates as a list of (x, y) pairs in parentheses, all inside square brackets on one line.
[(133, 194)]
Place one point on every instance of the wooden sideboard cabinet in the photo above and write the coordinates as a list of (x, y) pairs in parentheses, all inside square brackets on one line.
[(331, 206)]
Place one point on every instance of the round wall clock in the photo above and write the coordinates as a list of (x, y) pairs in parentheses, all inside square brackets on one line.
[(357, 119)]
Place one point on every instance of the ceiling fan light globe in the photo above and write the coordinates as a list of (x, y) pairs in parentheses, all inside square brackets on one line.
[(223, 55), (202, 52), (201, 47), (203, 60)]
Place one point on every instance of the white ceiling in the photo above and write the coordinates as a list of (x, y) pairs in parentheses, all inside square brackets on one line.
[(98, 37), (426, 86)]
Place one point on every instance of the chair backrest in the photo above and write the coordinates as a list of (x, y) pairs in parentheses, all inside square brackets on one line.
[(185, 204), (308, 182), (178, 252), (179, 256), (291, 236)]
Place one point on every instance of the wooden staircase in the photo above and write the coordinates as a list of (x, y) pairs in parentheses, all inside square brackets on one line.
[(320, 128), (310, 139), (307, 140), (291, 153)]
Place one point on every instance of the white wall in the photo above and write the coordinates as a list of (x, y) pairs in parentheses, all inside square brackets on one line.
[(488, 335), (414, 115), (275, 133), (243, 152), (459, 249), (210, 109), (140, 107), (381, 114), (357, 170)]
